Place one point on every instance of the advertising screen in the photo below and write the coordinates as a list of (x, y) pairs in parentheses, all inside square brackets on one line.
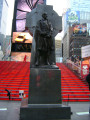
[(72, 16), (21, 37), (80, 29), (22, 8), (21, 56), (21, 42), (21, 46)]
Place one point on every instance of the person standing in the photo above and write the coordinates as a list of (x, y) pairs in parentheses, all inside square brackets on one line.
[(8, 93)]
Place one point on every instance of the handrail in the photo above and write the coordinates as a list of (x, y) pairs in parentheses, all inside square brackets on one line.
[(76, 69)]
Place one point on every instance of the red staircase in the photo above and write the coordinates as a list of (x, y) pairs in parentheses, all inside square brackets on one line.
[(14, 76), (73, 88)]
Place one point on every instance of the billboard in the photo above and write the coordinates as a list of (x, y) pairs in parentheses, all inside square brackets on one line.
[(80, 29), (21, 42), (21, 46), (85, 51), (85, 70), (21, 56), (22, 7), (72, 16), (21, 37)]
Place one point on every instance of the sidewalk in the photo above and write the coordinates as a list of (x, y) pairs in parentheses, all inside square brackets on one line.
[(9, 110)]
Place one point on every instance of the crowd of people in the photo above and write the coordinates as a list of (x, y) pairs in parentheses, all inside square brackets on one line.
[(76, 60)]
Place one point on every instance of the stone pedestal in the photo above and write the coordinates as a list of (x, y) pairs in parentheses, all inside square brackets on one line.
[(44, 100), (45, 86), (44, 112)]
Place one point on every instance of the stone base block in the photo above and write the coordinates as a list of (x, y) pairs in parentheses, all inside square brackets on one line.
[(45, 86), (45, 112)]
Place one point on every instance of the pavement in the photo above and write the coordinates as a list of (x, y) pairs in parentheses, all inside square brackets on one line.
[(10, 110)]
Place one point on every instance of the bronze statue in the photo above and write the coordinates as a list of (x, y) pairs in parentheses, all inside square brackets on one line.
[(44, 41)]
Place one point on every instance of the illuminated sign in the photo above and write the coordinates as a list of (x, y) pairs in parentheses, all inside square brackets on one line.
[(72, 16), (85, 70), (22, 7), (80, 29), (21, 37), (21, 56), (21, 42)]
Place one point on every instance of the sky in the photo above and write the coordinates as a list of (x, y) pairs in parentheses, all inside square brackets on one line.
[(58, 5)]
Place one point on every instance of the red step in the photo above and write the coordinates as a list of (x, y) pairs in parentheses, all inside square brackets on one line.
[(14, 76)]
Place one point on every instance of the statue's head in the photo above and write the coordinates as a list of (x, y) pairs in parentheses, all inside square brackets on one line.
[(44, 15)]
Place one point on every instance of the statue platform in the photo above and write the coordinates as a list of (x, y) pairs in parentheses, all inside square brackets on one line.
[(45, 101)]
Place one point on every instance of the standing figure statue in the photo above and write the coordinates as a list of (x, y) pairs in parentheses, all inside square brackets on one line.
[(44, 41)]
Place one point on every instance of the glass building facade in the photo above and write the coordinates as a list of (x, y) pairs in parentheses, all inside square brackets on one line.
[(74, 42), (80, 5)]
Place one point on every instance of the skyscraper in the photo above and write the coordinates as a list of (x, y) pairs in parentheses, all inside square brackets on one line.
[(3, 20), (80, 5), (3, 16), (70, 39)]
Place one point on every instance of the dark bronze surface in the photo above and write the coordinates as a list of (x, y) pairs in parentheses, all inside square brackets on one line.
[(44, 41), (44, 28)]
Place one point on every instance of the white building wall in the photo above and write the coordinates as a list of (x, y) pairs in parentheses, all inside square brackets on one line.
[(3, 21), (1, 5), (11, 4), (4, 17)]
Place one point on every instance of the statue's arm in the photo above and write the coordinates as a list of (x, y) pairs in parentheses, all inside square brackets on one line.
[(50, 30)]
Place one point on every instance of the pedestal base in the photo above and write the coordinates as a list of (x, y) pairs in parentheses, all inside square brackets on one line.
[(44, 112), (45, 100)]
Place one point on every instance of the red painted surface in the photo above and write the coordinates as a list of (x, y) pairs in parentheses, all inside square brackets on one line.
[(14, 76)]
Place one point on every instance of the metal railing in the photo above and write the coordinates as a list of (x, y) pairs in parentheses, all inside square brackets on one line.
[(76, 68)]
